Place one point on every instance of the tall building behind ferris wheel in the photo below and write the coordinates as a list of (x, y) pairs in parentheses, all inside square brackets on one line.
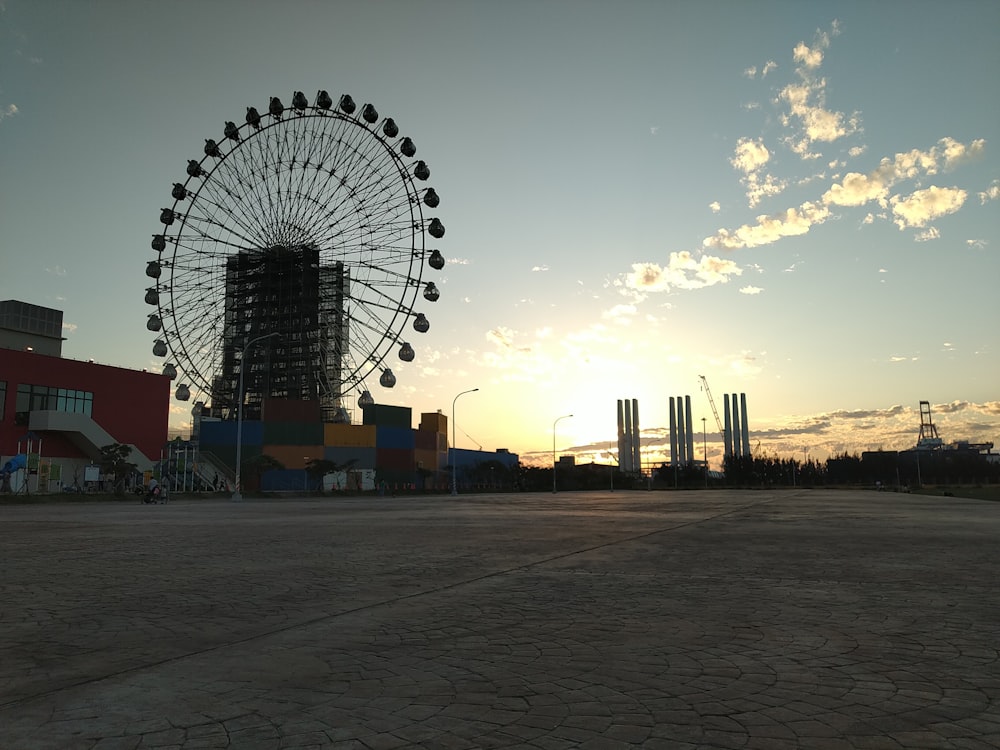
[(284, 291)]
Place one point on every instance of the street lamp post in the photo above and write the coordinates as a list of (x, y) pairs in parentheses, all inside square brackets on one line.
[(454, 454), (237, 493), (564, 416)]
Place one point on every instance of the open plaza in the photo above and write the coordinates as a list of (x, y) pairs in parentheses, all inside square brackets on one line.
[(704, 619)]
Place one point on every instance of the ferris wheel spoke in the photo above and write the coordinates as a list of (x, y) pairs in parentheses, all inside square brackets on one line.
[(207, 226)]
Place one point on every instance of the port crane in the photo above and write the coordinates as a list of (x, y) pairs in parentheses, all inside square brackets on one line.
[(715, 412)]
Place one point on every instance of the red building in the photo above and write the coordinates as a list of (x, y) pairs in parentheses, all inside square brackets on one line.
[(72, 408)]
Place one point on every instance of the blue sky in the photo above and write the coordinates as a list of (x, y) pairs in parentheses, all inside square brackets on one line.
[(800, 201)]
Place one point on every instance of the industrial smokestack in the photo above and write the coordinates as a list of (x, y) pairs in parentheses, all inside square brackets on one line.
[(744, 425), (736, 427), (727, 435), (688, 431), (628, 451), (636, 447), (621, 438), (673, 432), (681, 437)]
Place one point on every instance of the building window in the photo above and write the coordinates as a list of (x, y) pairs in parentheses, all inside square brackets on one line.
[(47, 398)]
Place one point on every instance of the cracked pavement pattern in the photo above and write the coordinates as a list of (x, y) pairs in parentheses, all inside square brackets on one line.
[(718, 619)]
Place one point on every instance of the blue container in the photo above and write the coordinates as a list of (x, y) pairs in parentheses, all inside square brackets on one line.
[(287, 480), (402, 438), (224, 433)]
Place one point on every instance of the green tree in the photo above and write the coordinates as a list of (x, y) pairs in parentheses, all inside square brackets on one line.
[(317, 468), (115, 460), (257, 465)]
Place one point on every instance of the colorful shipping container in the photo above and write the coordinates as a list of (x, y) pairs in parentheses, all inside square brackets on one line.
[(349, 435), (362, 458), (293, 433), (433, 422), (290, 410), (394, 437), (294, 456), (384, 415), (395, 459)]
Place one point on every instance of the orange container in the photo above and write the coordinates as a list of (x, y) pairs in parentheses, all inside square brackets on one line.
[(434, 422), (430, 460)]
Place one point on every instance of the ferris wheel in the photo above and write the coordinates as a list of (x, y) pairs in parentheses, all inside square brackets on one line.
[(292, 257)]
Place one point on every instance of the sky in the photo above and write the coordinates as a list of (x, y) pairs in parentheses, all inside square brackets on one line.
[(797, 201)]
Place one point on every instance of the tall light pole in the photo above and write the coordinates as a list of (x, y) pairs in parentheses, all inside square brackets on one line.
[(454, 453), (564, 416), (237, 493)]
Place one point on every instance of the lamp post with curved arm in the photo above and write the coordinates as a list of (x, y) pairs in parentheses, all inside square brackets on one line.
[(454, 453), (564, 416), (237, 494)]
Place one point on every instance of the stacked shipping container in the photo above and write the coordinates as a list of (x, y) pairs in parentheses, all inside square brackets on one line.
[(292, 433)]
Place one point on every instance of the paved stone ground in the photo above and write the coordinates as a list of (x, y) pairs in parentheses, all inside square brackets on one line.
[(809, 619)]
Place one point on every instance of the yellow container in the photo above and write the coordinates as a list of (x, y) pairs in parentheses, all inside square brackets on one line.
[(349, 435)]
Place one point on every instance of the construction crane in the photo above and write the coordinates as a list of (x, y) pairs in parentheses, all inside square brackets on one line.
[(711, 402)]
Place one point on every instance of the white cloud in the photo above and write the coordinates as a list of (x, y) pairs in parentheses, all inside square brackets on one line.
[(69, 327), (806, 101), (654, 129), (810, 57), (766, 68), (857, 189), (768, 229), (955, 153), (502, 337), (745, 365), (977, 244), (620, 313), (751, 290), (682, 272), (9, 111), (540, 268), (931, 233), (750, 158), (991, 193), (922, 206), (751, 155), (715, 207)]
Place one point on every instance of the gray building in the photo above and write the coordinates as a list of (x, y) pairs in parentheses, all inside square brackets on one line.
[(30, 327)]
